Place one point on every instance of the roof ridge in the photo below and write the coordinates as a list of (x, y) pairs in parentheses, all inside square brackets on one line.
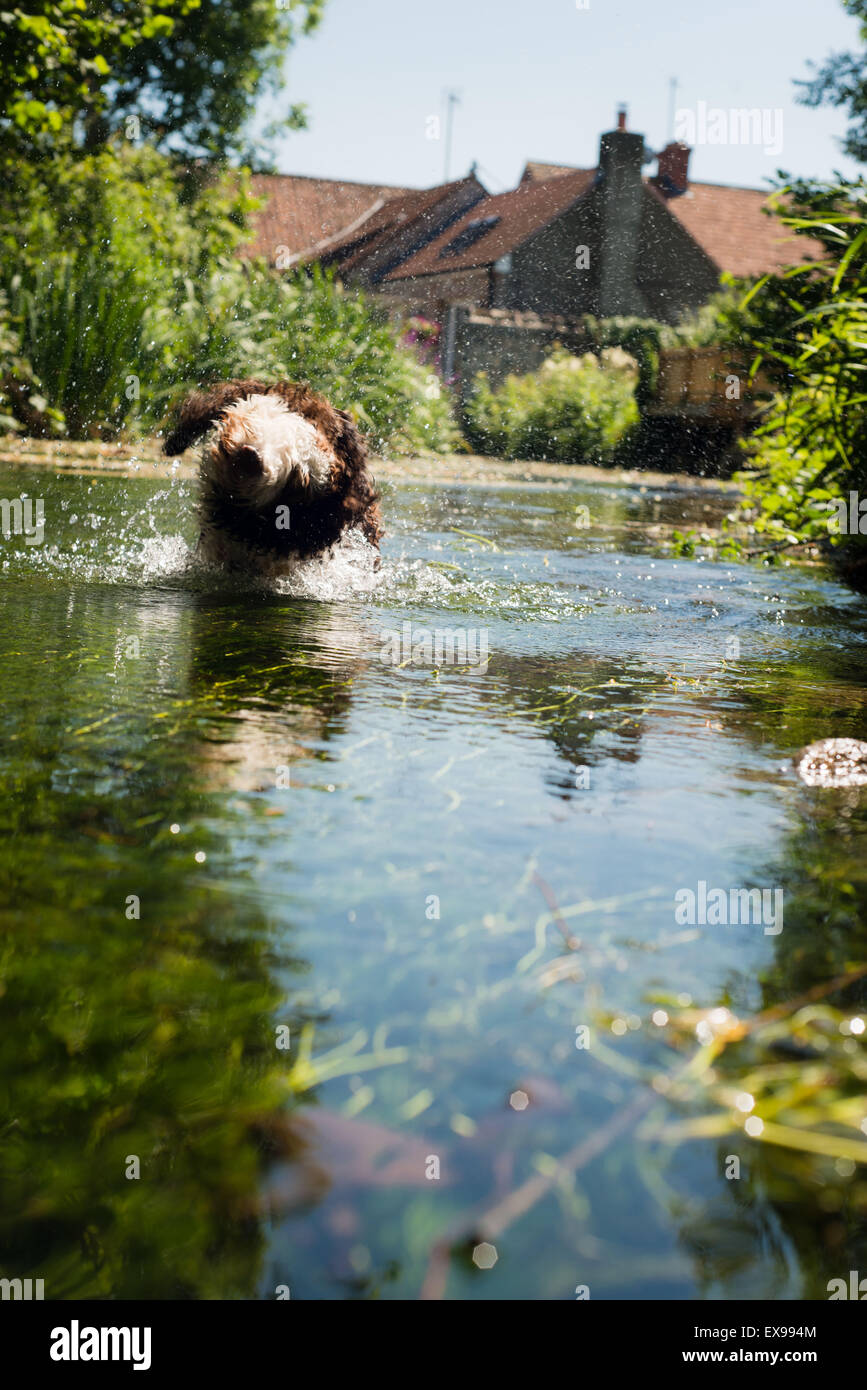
[(348, 183), (339, 235), (526, 198), (729, 187)]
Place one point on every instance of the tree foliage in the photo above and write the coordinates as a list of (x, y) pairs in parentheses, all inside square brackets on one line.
[(188, 71), (808, 327), (842, 81)]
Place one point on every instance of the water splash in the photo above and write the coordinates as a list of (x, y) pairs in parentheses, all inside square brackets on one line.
[(349, 571)]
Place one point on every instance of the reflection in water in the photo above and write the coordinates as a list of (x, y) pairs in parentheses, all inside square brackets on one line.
[(280, 685), (141, 1084), (797, 1208)]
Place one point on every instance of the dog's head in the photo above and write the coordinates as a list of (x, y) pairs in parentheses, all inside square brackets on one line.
[(265, 440), (259, 448)]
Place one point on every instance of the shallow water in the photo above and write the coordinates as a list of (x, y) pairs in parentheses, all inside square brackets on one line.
[(225, 814)]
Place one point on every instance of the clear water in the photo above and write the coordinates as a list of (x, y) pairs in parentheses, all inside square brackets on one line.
[(387, 859)]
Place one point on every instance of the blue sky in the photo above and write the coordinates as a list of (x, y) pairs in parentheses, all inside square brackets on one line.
[(541, 79)]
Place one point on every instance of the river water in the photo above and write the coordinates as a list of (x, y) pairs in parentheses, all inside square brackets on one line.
[(334, 967)]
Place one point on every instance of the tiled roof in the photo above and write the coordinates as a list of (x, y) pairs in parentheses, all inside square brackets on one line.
[(299, 212), (329, 215), (730, 225), (518, 215), (397, 212), (535, 172)]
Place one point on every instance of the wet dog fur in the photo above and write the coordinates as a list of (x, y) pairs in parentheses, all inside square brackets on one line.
[(283, 473)]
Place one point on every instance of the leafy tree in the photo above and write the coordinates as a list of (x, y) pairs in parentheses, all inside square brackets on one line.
[(842, 81), (189, 72)]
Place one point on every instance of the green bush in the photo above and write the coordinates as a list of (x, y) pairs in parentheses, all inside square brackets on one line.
[(574, 409), (807, 328), (246, 320), (123, 276)]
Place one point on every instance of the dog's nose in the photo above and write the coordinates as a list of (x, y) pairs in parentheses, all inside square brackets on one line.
[(248, 462)]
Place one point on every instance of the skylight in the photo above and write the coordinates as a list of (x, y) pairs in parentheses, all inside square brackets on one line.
[(469, 235)]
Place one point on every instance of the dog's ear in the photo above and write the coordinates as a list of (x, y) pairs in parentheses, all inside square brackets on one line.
[(350, 444), (192, 419), (201, 408)]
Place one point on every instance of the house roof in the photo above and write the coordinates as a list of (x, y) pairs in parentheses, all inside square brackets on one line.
[(728, 223), (402, 210), (536, 172), (512, 218), (731, 226), (343, 220), (299, 212)]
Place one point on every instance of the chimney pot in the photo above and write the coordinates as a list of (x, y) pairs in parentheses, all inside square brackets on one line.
[(673, 176), (621, 118)]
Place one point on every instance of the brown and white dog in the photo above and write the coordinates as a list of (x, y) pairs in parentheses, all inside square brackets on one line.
[(283, 474)]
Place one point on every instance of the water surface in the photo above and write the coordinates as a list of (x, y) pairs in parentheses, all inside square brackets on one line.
[(226, 816)]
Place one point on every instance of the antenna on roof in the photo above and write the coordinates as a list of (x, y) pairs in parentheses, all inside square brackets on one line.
[(672, 103), (452, 100)]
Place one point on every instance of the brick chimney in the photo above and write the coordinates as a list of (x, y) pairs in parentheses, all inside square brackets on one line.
[(621, 193), (673, 176)]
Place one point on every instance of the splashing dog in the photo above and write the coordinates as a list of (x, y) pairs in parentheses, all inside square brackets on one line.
[(283, 474)]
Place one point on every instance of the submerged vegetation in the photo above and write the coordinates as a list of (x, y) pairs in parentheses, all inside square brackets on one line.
[(154, 1035)]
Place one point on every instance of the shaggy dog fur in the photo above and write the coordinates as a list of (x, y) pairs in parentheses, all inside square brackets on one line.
[(283, 473)]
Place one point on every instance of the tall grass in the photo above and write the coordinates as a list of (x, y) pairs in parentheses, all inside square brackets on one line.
[(84, 328)]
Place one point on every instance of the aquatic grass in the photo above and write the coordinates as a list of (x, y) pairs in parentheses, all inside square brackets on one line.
[(438, 1013), (814, 1100), (736, 1077), (346, 1059)]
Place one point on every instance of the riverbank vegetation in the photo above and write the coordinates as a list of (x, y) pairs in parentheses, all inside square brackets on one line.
[(573, 408), (807, 328), (120, 230), (587, 407), (127, 288)]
